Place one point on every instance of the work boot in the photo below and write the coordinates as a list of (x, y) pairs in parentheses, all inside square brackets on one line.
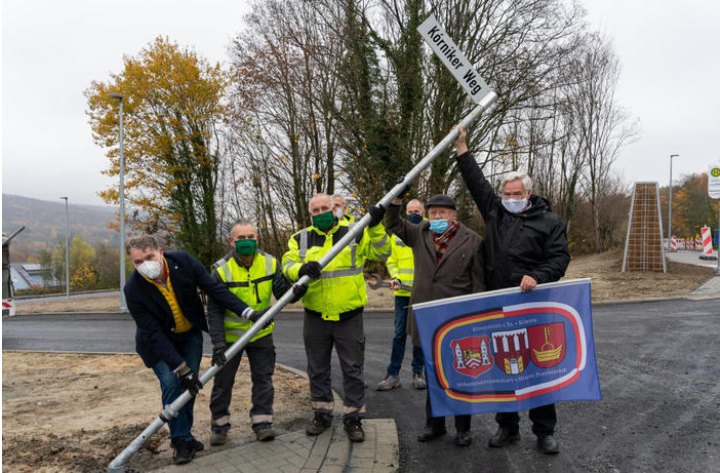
[(431, 434), (265, 434), (218, 438), (389, 383), (354, 430), (548, 444), (321, 422), (183, 453), (462, 438), (195, 446), (503, 437), (419, 381)]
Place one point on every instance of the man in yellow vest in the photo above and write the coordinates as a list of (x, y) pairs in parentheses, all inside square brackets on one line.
[(253, 276), (402, 269), (333, 308)]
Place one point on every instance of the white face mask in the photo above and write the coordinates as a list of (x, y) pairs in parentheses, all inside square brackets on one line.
[(514, 206), (339, 214), (150, 269)]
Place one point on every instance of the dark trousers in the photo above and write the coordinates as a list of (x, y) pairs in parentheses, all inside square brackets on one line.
[(400, 339), (189, 346), (261, 355), (543, 419), (462, 423), (348, 339)]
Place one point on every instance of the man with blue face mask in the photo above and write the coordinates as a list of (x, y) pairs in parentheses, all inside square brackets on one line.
[(448, 262), (525, 245)]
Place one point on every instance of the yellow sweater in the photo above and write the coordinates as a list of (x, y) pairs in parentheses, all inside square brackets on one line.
[(182, 324)]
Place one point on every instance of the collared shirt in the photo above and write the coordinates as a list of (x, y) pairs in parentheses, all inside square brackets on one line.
[(182, 324)]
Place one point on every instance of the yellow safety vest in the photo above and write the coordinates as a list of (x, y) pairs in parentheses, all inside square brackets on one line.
[(341, 287), (401, 265), (251, 285)]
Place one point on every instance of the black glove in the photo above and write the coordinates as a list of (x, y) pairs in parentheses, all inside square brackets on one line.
[(377, 212), (311, 268), (189, 380), (218, 357), (405, 190), (299, 291), (255, 316)]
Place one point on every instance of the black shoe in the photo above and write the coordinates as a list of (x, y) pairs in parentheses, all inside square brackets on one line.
[(195, 445), (503, 437), (183, 453), (548, 444), (431, 434), (321, 422), (462, 438), (354, 430)]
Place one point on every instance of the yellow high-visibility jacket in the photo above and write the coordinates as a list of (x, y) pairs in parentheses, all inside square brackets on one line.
[(400, 264), (341, 287)]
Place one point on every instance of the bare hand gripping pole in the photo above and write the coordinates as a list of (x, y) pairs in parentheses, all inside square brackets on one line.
[(171, 411)]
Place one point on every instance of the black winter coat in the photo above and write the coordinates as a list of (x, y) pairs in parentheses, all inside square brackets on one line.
[(532, 242)]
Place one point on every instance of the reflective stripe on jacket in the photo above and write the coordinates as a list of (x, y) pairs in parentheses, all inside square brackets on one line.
[(251, 285), (341, 287), (400, 264)]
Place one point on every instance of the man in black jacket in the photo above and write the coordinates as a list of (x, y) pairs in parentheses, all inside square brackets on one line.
[(525, 245), (162, 296)]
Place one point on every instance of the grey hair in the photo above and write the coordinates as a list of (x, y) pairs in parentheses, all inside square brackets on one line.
[(319, 195), (514, 175), (142, 242), (338, 196), (241, 221)]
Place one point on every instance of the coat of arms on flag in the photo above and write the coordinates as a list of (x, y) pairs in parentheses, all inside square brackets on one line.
[(506, 351)]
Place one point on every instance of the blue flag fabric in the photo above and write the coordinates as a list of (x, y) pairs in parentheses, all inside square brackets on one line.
[(508, 351)]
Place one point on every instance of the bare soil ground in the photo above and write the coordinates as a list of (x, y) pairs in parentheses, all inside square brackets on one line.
[(75, 413)]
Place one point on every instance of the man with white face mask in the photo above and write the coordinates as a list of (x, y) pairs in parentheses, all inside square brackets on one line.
[(340, 208), (163, 299), (525, 245)]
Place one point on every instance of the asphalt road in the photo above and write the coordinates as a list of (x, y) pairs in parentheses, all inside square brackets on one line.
[(659, 369)]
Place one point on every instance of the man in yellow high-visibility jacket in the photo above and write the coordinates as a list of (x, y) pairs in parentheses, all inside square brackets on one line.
[(253, 276), (402, 269), (333, 308)]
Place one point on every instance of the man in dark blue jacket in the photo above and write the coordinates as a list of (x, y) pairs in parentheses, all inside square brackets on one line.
[(525, 245), (162, 296)]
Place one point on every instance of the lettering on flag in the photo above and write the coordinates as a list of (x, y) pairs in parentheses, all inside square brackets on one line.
[(505, 351), (444, 47)]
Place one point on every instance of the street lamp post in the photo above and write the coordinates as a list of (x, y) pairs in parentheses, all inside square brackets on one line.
[(122, 207), (670, 193), (67, 250)]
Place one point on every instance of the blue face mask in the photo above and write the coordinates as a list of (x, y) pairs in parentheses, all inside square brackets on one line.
[(438, 226), (415, 218)]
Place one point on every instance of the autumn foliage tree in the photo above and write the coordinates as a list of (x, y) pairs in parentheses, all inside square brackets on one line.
[(174, 112), (692, 206)]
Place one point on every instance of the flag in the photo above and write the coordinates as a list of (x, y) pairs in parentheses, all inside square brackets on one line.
[(507, 351)]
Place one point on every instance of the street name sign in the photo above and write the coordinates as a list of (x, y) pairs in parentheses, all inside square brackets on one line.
[(454, 60), (714, 183)]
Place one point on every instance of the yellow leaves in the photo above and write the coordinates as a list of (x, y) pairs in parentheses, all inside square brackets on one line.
[(316, 176)]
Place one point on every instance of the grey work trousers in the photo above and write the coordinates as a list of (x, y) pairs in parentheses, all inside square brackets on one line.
[(261, 354), (348, 338)]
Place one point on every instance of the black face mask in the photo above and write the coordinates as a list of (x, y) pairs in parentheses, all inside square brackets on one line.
[(415, 218)]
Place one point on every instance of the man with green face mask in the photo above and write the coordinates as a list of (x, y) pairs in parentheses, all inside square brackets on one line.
[(333, 308), (253, 276)]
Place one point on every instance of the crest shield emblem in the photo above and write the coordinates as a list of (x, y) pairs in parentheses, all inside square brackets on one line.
[(471, 356), (512, 350), (547, 344)]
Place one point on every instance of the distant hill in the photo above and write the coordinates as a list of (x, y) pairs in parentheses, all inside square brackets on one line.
[(45, 223)]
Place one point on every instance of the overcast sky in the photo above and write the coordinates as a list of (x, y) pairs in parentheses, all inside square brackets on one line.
[(51, 51)]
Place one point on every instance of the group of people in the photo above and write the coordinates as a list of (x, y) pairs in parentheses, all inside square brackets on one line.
[(429, 257)]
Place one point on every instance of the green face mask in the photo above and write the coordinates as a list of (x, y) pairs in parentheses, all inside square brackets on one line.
[(324, 221), (245, 247)]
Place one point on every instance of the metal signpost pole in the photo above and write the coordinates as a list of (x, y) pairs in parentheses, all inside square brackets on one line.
[(123, 307), (67, 250), (670, 193), (714, 193)]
